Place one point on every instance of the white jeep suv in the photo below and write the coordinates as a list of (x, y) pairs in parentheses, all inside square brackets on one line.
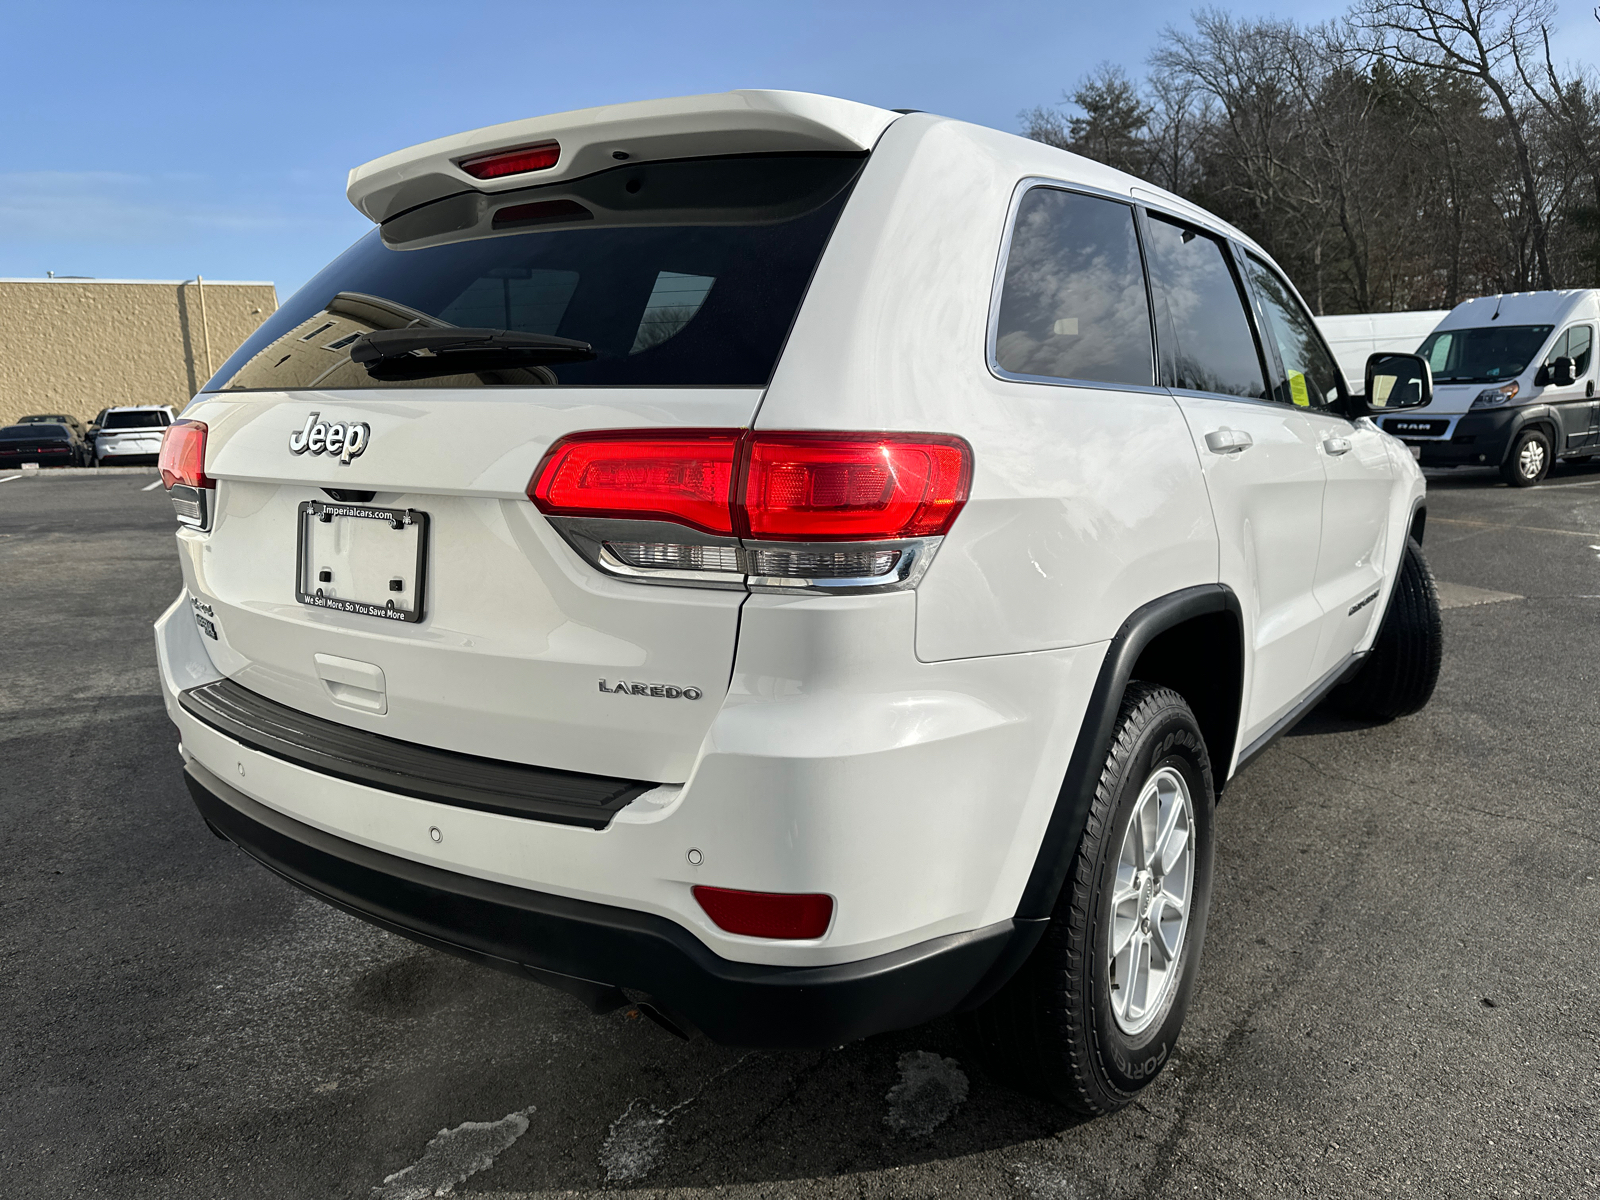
[(800, 568)]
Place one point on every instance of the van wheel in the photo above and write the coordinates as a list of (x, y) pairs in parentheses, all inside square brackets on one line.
[(1399, 675), (1092, 1016), (1529, 460)]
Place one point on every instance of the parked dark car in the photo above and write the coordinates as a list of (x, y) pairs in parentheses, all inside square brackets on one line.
[(48, 444), (69, 421)]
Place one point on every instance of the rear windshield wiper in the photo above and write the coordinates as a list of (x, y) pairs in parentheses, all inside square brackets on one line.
[(422, 353)]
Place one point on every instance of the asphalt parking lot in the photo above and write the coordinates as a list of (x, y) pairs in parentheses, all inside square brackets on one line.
[(1399, 996)]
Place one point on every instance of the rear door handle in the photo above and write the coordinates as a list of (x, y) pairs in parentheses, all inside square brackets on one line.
[(1336, 445), (1228, 441)]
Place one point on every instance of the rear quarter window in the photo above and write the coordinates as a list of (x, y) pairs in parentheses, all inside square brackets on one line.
[(1073, 304)]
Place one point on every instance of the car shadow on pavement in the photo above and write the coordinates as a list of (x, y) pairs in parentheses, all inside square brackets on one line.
[(1325, 718)]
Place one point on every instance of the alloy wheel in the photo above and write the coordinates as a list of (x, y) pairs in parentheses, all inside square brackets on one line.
[(1150, 901)]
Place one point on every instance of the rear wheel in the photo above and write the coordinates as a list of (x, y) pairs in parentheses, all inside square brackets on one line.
[(1399, 675), (1092, 1016), (1529, 460)]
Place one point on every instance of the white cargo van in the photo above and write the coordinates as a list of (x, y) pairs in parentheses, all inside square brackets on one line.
[(1514, 383), (1356, 336)]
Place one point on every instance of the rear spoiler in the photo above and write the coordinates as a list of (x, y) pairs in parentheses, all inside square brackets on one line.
[(593, 139)]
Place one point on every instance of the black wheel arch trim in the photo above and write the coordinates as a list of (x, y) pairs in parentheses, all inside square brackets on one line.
[(1545, 419), (1073, 802)]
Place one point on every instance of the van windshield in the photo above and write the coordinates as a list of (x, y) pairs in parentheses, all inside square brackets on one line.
[(1485, 355), (672, 273)]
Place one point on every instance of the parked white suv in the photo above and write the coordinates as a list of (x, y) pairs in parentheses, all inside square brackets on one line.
[(131, 434), (801, 568)]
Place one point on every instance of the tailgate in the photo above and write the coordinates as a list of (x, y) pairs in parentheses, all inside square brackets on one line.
[(516, 632)]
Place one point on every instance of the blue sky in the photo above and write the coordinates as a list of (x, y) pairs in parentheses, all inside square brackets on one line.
[(158, 140)]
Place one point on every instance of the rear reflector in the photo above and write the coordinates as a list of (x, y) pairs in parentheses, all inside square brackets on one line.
[(767, 914), (183, 455), (539, 157), (685, 475), (793, 487)]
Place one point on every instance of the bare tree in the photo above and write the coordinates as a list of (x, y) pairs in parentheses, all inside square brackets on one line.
[(1482, 40), (1378, 172)]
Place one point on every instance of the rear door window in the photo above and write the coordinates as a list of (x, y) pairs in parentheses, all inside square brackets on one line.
[(1207, 344), (1073, 304), (674, 273)]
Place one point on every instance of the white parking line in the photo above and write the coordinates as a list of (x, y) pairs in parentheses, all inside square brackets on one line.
[(151, 487), (9, 478)]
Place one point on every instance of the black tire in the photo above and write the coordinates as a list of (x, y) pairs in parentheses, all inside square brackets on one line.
[(1051, 1030), (1529, 460), (1399, 675)]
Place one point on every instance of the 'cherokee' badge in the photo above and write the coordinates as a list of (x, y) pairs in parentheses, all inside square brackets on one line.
[(344, 442)]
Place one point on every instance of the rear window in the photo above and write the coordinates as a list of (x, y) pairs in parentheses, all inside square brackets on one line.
[(674, 273), (35, 433), (134, 420)]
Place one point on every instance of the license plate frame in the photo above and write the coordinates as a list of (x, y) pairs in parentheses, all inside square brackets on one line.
[(308, 593)]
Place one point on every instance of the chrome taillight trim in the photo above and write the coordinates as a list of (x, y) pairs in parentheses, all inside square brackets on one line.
[(593, 539), (191, 505)]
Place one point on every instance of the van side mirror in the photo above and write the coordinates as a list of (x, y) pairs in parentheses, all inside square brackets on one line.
[(1563, 372), (1398, 381)]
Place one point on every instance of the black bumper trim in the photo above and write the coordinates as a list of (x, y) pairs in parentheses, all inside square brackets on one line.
[(594, 946), (443, 776)]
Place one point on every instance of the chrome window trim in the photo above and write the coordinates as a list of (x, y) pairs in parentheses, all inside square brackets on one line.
[(1152, 204), (992, 334)]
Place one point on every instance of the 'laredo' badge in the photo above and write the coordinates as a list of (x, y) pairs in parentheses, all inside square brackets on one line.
[(665, 691)]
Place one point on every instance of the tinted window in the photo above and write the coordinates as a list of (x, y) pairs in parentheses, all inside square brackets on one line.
[(1576, 343), (1482, 355), (134, 420), (1206, 342), (36, 433), (1312, 376), (1073, 304), (686, 273)]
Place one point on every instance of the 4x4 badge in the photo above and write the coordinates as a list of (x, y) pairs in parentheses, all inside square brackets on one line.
[(330, 437)]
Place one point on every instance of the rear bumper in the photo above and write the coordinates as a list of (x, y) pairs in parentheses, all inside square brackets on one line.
[(589, 949)]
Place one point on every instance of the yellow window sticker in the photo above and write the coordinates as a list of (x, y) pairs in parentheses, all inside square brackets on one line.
[(1297, 390)]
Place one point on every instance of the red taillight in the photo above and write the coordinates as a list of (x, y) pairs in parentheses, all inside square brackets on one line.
[(540, 157), (767, 914), (794, 487), (819, 487), (684, 476), (183, 455)]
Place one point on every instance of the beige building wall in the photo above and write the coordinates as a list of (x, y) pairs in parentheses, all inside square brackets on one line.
[(79, 345)]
